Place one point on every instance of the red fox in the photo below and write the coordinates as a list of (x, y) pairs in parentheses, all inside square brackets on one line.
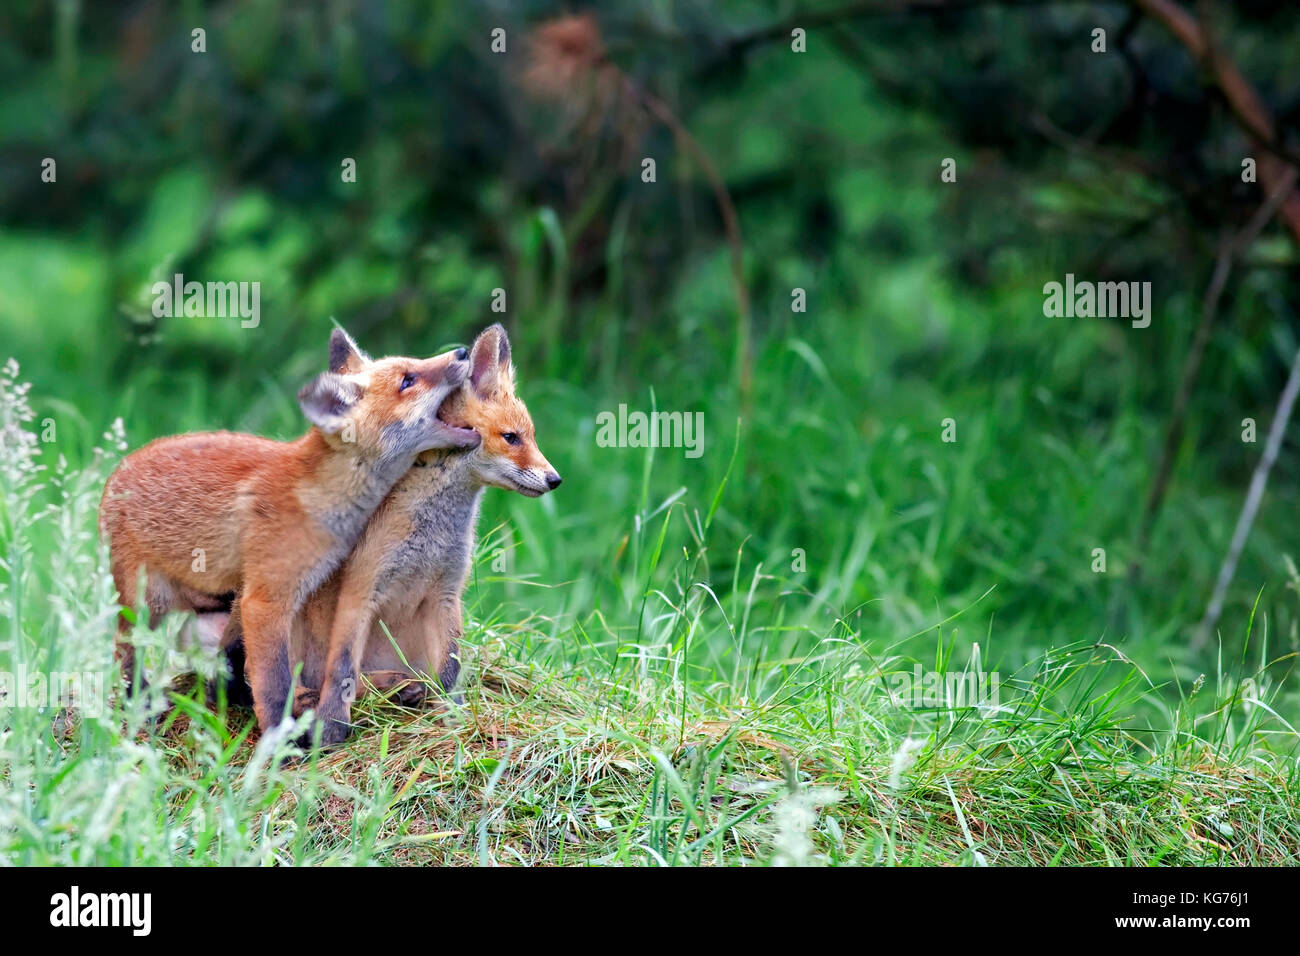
[(410, 565), (208, 515)]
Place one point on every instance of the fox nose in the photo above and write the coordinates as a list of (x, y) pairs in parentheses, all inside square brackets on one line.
[(553, 480)]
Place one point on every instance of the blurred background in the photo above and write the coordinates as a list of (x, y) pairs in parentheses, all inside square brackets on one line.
[(826, 503)]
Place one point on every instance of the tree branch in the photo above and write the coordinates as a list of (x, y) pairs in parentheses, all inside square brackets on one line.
[(1254, 496), (1229, 252), (1247, 107)]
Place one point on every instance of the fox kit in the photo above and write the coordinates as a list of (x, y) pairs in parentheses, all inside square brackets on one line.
[(410, 565), (207, 515)]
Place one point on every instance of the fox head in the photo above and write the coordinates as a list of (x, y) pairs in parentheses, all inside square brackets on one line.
[(388, 407), (508, 456)]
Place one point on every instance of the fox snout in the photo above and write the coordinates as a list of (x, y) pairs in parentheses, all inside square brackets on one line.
[(457, 370), (442, 374), (445, 434), (533, 481)]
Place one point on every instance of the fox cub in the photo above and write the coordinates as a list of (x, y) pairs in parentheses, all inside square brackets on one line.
[(205, 516), (410, 565)]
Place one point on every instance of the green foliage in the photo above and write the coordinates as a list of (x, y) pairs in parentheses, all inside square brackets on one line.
[(652, 659)]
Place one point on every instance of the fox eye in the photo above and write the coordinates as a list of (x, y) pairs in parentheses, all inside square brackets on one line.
[(407, 381), (511, 438)]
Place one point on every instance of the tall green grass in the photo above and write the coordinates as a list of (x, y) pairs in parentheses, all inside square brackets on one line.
[(647, 710), (675, 660)]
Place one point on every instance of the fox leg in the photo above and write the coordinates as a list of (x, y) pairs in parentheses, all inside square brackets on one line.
[(437, 619), (127, 591), (352, 620), (231, 659), (124, 654), (266, 618), (159, 598), (444, 647), (440, 622)]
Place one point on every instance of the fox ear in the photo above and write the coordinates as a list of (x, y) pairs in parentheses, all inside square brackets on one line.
[(345, 357), (327, 399), (489, 360)]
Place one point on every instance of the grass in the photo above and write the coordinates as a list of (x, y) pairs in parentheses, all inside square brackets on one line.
[(547, 768), (708, 660), (676, 720), (669, 660), (542, 768)]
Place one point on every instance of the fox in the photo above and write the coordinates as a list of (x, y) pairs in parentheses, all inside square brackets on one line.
[(409, 568), (208, 516)]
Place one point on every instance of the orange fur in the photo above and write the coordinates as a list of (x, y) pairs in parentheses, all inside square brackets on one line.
[(409, 567), (206, 515)]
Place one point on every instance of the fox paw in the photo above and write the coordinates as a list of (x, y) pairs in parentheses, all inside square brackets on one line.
[(399, 688), (410, 694), (334, 732), (305, 699), (325, 733)]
